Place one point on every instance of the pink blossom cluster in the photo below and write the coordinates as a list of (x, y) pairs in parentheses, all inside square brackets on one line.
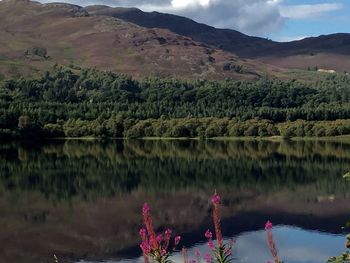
[(153, 245), (156, 246)]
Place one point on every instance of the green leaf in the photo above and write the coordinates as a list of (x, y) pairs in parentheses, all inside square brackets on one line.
[(347, 176)]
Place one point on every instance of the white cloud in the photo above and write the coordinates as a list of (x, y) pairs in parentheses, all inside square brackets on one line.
[(180, 4), (240, 15), (308, 11), (253, 17), (274, 2)]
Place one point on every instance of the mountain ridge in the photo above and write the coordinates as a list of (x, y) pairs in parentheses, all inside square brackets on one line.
[(193, 29), (70, 35), (35, 36), (230, 40)]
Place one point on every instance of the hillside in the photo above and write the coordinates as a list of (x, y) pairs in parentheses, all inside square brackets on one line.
[(35, 36), (229, 40), (329, 52)]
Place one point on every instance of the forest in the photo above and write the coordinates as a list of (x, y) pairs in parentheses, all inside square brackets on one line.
[(91, 103)]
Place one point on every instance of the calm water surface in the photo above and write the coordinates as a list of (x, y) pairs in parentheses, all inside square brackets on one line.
[(81, 200)]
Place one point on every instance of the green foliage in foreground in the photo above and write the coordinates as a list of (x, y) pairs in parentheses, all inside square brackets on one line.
[(104, 104)]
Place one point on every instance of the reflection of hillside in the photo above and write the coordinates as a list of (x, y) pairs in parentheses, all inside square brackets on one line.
[(34, 228), (92, 169)]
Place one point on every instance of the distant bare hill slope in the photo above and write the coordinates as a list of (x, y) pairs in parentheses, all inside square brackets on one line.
[(34, 36), (331, 51)]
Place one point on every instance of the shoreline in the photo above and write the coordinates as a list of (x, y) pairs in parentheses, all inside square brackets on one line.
[(243, 138)]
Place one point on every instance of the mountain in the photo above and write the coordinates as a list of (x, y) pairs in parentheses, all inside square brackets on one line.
[(226, 39), (35, 36), (330, 52)]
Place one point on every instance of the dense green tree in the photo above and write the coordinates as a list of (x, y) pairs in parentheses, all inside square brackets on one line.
[(104, 104)]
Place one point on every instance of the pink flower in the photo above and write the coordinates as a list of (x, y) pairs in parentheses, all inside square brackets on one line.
[(197, 253), (268, 225), (145, 209), (208, 234), (159, 238), (211, 244), (193, 261), (216, 199), (177, 240), (143, 233), (163, 253), (145, 247), (147, 219), (208, 258), (168, 233), (216, 219)]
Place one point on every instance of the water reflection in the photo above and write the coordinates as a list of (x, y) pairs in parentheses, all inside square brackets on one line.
[(295, 245), (81, 199)]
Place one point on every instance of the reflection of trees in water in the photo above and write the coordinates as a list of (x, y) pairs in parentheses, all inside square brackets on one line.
[(90, 168)]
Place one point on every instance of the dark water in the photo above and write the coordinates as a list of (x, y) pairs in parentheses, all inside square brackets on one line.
[(81, 200)]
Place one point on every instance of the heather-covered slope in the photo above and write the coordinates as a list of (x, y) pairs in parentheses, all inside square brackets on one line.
[(34, 36), (327, 52)]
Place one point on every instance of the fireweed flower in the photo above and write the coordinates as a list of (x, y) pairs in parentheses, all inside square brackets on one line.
[(145, 209), (208, 258), (216, 201), (159, 238), (270, 241), (221, 253), (143, 233), (145, 247), (163, 253), (198, 254), (268, 225), (149, 226), (154, 246), (167, 235), (176, 241), (208, 234)]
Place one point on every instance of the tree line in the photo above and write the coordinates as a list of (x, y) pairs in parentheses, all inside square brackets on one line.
[(96, 103)]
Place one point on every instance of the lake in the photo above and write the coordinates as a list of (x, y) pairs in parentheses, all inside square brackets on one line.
[(81, 200)]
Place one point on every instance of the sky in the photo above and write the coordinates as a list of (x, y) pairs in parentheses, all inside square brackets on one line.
[(279, 20)]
